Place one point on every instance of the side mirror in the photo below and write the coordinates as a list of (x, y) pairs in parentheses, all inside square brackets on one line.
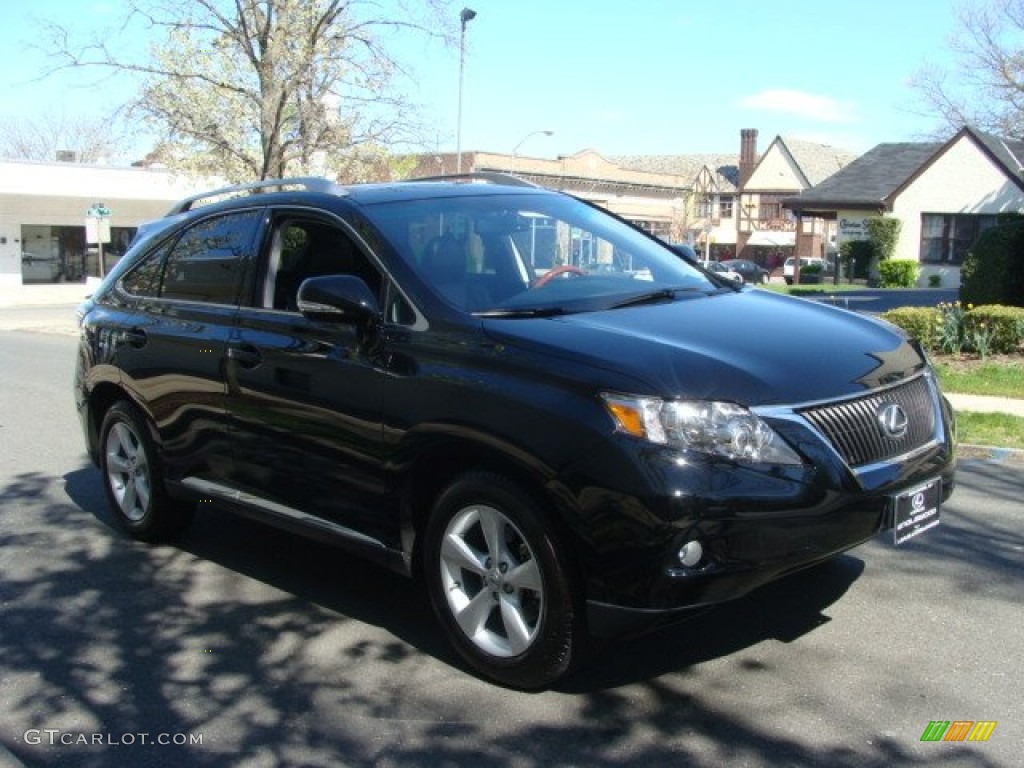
[(338, 299)]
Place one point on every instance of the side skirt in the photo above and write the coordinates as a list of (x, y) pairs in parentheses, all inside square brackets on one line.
[(296, 521)]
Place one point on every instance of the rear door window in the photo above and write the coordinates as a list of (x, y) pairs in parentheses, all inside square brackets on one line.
[(207, 263)]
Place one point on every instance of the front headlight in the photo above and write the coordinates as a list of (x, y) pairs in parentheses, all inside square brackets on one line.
[(718, 429)]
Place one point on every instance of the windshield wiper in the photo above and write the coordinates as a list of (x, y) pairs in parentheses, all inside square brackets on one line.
[(651, 297), (522, 312)]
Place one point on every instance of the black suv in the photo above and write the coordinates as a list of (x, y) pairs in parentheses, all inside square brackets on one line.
[(540, 410)]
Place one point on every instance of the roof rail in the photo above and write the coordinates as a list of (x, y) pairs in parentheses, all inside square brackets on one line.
[(308, 183), (490, 177)]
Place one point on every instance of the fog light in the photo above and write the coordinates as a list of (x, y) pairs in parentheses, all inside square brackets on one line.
[(690, 553)]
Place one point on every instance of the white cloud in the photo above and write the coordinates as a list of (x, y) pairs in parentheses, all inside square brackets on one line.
[(810, 106)]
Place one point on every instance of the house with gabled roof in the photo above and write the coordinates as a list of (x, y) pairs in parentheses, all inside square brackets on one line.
[(944, 194), (767, 232), (737, 198), (711, 215)]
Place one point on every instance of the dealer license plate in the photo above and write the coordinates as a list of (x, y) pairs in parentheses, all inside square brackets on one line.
[(916, 510)]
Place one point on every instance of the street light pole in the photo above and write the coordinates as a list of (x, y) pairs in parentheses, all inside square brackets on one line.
[(467, 15), (515, 150)]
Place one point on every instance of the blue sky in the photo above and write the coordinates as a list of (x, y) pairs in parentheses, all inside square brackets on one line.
[(647, 77)]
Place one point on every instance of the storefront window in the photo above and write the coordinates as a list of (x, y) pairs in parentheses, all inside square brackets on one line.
[(60, 254)]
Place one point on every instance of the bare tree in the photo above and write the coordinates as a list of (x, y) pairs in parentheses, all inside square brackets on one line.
[(986, 89), (266, 88), (88, 140)]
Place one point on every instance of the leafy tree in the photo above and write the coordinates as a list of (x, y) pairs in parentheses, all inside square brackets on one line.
[(986, 89), (267, 88), (993, 272)]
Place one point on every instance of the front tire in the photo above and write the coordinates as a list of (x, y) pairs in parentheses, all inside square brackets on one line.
[(133, 480), (499, 584)]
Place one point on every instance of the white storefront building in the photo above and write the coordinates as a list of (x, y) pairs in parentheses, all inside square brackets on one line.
[(43, 209)]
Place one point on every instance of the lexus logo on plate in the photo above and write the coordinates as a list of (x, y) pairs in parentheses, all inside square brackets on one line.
[(893, 420)]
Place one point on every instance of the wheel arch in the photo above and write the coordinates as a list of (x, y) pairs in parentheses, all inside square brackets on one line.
[(440, 461), (100, 400)]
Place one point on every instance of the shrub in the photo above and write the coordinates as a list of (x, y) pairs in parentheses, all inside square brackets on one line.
[(921, 323), (811, 274), (997, 328), (898, 273), (884, 233), (993, 271), (935, 280)]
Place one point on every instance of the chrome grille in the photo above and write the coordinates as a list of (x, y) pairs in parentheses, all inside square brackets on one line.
[(855, 429)]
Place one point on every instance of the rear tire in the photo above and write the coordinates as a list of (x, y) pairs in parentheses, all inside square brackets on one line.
[(133, 480), (499, 584)]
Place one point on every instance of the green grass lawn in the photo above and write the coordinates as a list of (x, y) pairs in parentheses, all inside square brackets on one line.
[(1002, 378), (811, 290), (995, 429)]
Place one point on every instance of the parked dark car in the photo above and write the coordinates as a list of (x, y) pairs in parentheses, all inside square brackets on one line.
[(752, 273), (590, 446)]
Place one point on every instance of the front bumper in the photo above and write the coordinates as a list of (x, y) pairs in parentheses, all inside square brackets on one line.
[(754, 524)]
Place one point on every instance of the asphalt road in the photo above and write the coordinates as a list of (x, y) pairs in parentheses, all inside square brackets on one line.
[(271, 650), (877, 301)]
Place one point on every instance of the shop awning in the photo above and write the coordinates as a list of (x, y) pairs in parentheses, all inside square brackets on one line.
[(771, 237)]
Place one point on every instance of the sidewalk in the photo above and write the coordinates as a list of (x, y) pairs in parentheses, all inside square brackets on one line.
[(985, 404), (45, 294)]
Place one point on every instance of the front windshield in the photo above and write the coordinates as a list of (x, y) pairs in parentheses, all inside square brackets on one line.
[(519, 254)]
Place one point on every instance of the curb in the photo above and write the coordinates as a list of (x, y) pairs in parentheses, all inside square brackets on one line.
[(990, 453)]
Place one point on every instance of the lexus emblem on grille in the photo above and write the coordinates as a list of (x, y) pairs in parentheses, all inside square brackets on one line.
[(893, 420)]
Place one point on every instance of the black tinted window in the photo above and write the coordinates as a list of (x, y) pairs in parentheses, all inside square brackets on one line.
[(208, 261)]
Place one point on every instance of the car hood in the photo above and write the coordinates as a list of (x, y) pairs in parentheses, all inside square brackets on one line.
[(752, 347)]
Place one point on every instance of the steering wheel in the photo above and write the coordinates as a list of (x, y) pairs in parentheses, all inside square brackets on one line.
[(552, 274)]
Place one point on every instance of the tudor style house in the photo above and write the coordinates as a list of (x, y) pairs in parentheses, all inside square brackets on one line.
[(736, 201), (944, 194), (766, 231)]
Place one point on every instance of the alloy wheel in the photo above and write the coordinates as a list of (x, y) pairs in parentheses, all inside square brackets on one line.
[(492, 581), (128, 472)]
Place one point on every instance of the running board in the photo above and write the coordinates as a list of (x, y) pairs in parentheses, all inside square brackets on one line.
[(298, 519)]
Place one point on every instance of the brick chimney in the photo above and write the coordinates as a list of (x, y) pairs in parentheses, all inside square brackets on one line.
[(748, 154)]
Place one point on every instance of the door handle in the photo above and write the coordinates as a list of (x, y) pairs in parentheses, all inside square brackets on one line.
[(246, 355), (136, 337)]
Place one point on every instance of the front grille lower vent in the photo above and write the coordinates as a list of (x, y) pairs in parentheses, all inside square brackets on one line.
[(855, 427)]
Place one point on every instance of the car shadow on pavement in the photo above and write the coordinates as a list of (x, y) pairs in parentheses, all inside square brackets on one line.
[(783, 610), (284, 651), (313, 572), (351, 587)]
